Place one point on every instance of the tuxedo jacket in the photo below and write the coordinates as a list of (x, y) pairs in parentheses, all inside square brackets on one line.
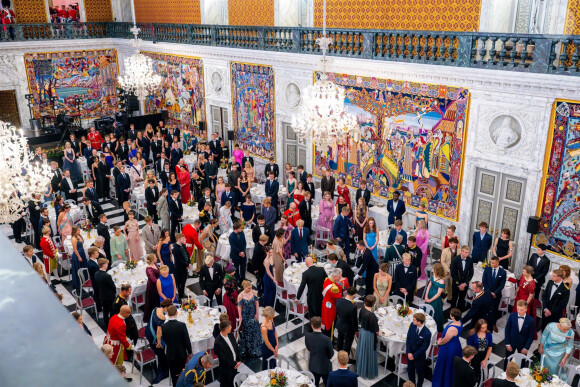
[(407, 281), (320, 352), (175, 209), (393, 234), (250, 159), (459, 275), (314, 278), (366, 194), (180, 256), (491, 285), (123, 152), (94, 212), (541, 268), (65, 187), (271, 190), (107, 289), (417, 343), (274, 168), (557, 302), (55, 180), (152, 197), (257, 231), (203, 200), (301, 177), (481, 308), (123, 182), (516, 338), (346, 271), (208, 283), (346, 316), (464, 373), (310, 187), (177, 341), (227, 362), (395, 214), (368, 265), (305, 209), (328, 185)]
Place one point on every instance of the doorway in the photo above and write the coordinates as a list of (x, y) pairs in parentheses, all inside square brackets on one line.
[(294, 150), (498, 201), (219, 121), (9, 107)]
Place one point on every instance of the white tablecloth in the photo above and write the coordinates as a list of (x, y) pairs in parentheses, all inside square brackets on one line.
[(133, 277), (200, 332), (393, 329), (526, 380), (259, 193), (508, 291), (190, 213), (223, 246), (262, 378), (383, 238), (83, 164), (75, 216), (191, 161), (87, 242), (138, 193), (293, 277)]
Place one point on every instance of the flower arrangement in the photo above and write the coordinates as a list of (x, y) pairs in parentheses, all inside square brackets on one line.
[(278, 379), (130, 264), (187, 152), (243, 224), (485, 264), (191, 202), (541, 374), (55, 153), (189, 305), (403, 310), (87, 226)]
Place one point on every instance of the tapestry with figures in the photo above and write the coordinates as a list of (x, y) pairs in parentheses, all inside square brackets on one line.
[(253, 109), (560, 192), (76, 83), (412, 140), (181, 93)]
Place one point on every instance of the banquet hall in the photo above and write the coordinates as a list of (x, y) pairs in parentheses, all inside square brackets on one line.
[(259, 163)]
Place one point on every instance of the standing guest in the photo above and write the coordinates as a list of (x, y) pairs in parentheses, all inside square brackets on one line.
[(237, 241), (115, 174), (512, 371), (272, 167), (230, 295), (342, 377), (269, 212), (449, 348), (300, 241), (79, 258), (340, 204), (153, 335), (79, 319), (182, 263), (124, 294), (56, 177), (269, 278), (287, 169), (165, 173), (382, 283), (131, 231), (49, 255), (261, 229), (248, 209), (198, 184), (211, 279), (519, 330), (93, 209), (418, 340), (104, 177), (107, 289), (481, 306), (166, 286), (193, 245), (568, 281), (363, 192), (176, 212), (346, 320), (481, 243), (526, 290), (405, 279), (371, 237), (447, 256), (124, 184), (228, 196), (494, 278), (325, 214), (299, 193), (238, 154), (164, 250), (541, 265), (270, 337), (173, 184), (342, 265), (314, 278), (278, 256), (93, 267), (461, 274), (71, 164), (341, 231), (415, 252), (228, 354), (422, 237), (480, 339), (211, 171), (208, 238), (90, 192), (214, 145), (333, 288), (463, 371), (103, 231), (433, 294), (163, 208), (271, 190), (175, 155), (287, 227), (136, 174), (178, 344), (395, 250), (310, 187), (117, 335), (554, 299), (249, 169), (258, 258), (321, 351), (503, 248), (422, 215), (396, 208), (327, 184), (64, 222), (119, 245), (367, 265), (152, 197), (556, 345), (150, 234), (225, 217), (151, 295), (301, 175), (450, 233), (292, 214), (305, 209), (248, 310), (361, 216), (367, 366)]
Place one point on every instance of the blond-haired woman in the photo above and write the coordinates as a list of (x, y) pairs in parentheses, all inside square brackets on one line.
[(270, 344), (248, 309), (166, 285)]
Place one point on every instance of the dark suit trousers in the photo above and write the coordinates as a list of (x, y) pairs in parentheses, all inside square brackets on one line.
[(218, 298), (458, 300), (317, 377), (240, 264), (416, 366), (107, 311), (152, 211), (180, 278), (175, 368), (554, 317), (18, 227), (345, 245), (369, 289), (174, 229), (227, 377), (344, 340), (260, 281)]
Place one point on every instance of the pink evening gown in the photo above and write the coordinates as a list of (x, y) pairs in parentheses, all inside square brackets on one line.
[(423, 243)]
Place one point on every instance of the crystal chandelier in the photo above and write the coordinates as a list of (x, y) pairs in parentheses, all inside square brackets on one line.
[(20, 178), (323, 119)]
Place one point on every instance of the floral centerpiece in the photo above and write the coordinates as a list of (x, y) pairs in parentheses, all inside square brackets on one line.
[(541, 374), (189, 306), (130, 264), (191, 202), (485, 263), (87, 226), (243, 224), (403, 310), (278, 379), (55, 153)]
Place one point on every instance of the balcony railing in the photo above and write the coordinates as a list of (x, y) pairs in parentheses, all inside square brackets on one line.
[(545, 54)]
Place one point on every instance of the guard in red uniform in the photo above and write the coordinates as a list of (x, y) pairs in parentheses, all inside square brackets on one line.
[(332, 290), (72, 14), (193, 245), (8, 17), (95, 138), (117, 335)]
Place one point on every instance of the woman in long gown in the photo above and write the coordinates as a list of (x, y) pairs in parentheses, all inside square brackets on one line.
[(269, 280), (119, 245), (269, 338), (230, 299), (164, 250), (249, 171), (422, 235), (382, 285), (325, 214), (238, 154), (71, 163), (526, 289), (361, 216), (79, 258), (109, 157), (556, 345), (249, 210), (290, 188), (371, 238), (299, 193), (287, 227), (243, 186), (481, 339), (64, 222), (220, 188), (173, 183), (248, 310), (157, 317), (166, 287), (503, 248), (136, 174), (367, 366), (278, 256), (184, 180), (131, 230), (151, 295), (343, 191), (434, 290), (449, 347)]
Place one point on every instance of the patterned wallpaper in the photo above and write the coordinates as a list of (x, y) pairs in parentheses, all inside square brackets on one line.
[(572, 24), (98, 10), (251, 12), (167, 11), (425, 15), (30, 11)]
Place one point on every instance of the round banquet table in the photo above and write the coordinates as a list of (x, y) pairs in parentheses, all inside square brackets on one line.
[(190, 213), (133, 277), (87, 242), (223, 246), (510, 288), (83, 164), (200, 332), (259, 193), (139, 193), (293, 277), (383, 246), (191, 161), (393, 329), (262, 378), (526, 380), (75, 215)]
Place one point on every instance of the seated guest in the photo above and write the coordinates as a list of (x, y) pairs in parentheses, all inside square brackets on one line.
[(556, 345), (480, 339), (512, 371), (519, 330), (418, 340), (494, 278), (481, 306), (554, 299), (405, 279), (395, 250), (342, 377), (463, 372)]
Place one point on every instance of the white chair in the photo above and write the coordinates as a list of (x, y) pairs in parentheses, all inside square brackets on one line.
[(433, 351), (82, 304), (571, 371), (428, 309), (504, 305), (428, 275), (138, 317), (239, 379), (282, 295), (137, 297), (385, 353), (85, 280), (143, 358), (322, 236), (308, 374), (279, 361), (71, 202), (116, 263), (237, 329), (202, 300), (394, 300), (222, 309), (518, 358), (297, 309)]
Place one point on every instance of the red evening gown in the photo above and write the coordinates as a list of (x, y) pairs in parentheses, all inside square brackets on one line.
[(526, 288), (151, 294), (184, 180), (345, 193)]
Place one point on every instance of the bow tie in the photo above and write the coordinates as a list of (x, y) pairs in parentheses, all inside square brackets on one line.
[(521, 317), (406, 267)]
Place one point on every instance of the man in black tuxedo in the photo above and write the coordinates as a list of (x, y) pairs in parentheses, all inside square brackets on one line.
[(301, 175), (56, 177), (107, 289), (211, 171), (175, 212), (271, 190), (554, 299), (93, 209), (226, 350), (320, 347), (124, 184), (40, 224), (511, 373), (405, 279), (68, 187), (342, 265), (122, 151), (74, 144), (164, 175), (461, 270), (34, 214), (368, 265), (313, 277), (346, 320), (211, 278), (160, 163), (103, 230), (310, 187), (541, 265), (464, 373), (261, 229), (272, 167), (206, 198), (363, 192), (328, 184), (418, 340), (520, 330), (258, 259), (177, 343), (104, 178), (152, 197), (215, 146), (481, 307), (248, 159), (305, 209), (197, 185), (132, 133), (182, 263), (116, 172)]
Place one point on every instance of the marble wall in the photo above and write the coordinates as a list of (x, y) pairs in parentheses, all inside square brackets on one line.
[(527, 98)]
